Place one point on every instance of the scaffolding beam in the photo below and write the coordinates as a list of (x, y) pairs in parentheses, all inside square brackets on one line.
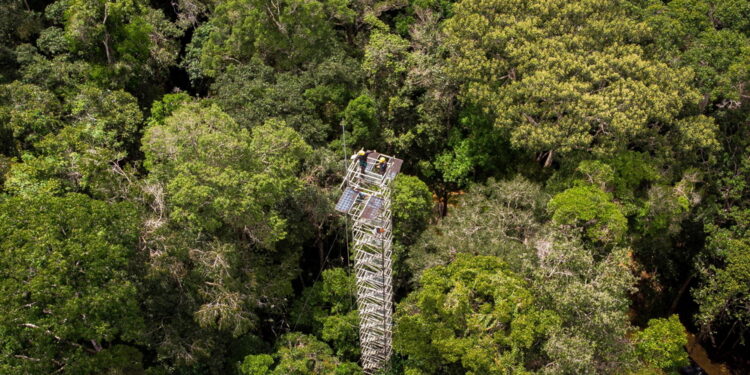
[(367, 200)]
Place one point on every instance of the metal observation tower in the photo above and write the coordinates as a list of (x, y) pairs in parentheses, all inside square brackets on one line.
[(367, 200)]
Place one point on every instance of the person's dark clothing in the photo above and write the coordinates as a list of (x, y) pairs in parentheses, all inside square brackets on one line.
[(381, 167), (363, 161)]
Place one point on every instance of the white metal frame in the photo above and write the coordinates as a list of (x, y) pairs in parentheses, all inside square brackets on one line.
[(372, 264)]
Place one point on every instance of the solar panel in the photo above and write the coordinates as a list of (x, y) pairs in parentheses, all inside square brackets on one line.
[(373, 208), (346, 201), (393, 168)]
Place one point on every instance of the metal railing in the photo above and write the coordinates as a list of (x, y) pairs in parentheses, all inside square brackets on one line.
[(372, 241)]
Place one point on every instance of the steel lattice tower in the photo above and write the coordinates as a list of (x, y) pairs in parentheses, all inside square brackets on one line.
[(367, 200)]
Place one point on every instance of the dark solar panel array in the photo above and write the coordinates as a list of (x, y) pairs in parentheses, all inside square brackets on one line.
[(373, 208), (346, 201), (394, 166)]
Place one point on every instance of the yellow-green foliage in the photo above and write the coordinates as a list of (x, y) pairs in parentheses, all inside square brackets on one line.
[(592, 209), (564, 76), (662, 343), (298, 354), (473, 316)]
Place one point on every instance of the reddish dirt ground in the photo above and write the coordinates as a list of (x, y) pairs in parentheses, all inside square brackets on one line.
[(699, 355)]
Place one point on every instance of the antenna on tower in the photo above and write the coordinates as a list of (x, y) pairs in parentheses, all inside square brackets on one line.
[(367, 200)]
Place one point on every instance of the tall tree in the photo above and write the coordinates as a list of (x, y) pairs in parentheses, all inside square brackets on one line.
[(284, 34), (298, 354), (69, 282), (473, 316), (126, 40), (82, 156), (563, 76), (217, 176), (710, 37), (218, 234)]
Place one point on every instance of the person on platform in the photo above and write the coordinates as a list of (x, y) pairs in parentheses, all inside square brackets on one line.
[(361, 157), (381, 165)]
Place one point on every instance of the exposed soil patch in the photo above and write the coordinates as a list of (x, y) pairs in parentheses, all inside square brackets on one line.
[(699, 355)]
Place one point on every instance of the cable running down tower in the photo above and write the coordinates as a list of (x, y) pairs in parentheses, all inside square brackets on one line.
[(367, 200)]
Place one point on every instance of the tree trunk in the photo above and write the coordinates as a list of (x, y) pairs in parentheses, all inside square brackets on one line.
[(321, 254), (682, 290), (548, 161), (106, 48), (106, 34), (443, 203)]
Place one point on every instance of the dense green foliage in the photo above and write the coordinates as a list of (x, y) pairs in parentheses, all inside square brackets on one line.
[(661, 343), (470, 317), (574, 199), (69, 285)]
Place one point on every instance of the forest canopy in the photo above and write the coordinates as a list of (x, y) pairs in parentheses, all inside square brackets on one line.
[(574, 197)]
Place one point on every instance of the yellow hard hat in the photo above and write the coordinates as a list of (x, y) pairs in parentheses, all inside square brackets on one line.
[(382, 159), (361, 153)]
